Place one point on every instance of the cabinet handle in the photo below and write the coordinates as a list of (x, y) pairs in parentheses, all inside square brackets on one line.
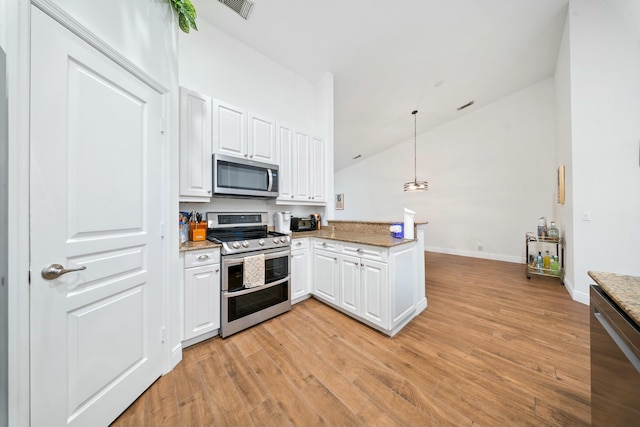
[(335, 259), (217, 270), (298, 243), (209, 191), (359, 250), (246, 155), (324, 245), (292, 196), (203, 257)]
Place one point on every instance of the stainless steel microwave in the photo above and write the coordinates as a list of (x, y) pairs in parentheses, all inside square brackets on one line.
[(235, 177)]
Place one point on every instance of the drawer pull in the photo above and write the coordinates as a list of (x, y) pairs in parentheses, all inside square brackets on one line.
[(202, 257), (298, 243), (324, 244), (360, 250)]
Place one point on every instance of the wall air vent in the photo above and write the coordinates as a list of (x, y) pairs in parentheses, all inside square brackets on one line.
[(242, 7)]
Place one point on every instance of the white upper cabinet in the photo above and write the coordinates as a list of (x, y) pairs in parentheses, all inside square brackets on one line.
[(229, 130), (240, 133), (285, 160), (317, 168), (195, 146), (301, 165), (261, 139)]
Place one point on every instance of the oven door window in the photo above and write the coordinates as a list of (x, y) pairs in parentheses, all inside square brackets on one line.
[(253, 302), (276, 267)]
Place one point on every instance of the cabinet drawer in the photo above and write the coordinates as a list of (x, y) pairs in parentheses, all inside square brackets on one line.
[(366, 252), (299, 244), (202, 257), (327, 245)]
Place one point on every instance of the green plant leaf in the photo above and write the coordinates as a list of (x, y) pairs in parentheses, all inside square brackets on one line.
[(186, 14)]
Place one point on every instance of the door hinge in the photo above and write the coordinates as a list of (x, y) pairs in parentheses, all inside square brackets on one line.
[(163, 126), (162, 230), (163, 334)]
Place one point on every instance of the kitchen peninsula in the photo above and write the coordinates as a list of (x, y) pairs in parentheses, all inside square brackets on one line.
[(355, 267), (359, 269)]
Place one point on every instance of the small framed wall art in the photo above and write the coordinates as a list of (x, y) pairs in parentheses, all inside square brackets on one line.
[(340, 202), (561, 184)]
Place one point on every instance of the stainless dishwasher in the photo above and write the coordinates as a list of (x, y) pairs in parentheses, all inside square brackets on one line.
[(615, 363)]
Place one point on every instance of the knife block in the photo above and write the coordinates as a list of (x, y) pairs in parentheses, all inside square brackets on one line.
[(198, 231)]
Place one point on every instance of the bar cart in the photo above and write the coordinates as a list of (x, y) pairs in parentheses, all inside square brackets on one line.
[(555, 246)]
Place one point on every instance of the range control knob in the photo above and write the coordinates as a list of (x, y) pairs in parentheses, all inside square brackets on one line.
[(276, 240), (261, 242), (245, 244), (235, 245), (282, 240)]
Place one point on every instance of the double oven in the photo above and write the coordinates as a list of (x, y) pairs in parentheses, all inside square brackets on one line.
[(244, 235)]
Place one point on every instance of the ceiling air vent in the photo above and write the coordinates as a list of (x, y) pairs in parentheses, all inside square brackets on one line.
[(242, 7)]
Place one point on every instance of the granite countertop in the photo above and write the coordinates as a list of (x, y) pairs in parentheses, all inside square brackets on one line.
[(195, 246), (373, 239), (624, 290)]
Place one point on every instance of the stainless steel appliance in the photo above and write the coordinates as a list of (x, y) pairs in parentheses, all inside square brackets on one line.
[(282, 222), (235, 177), (242, 235), (615, 363), (303, 224)]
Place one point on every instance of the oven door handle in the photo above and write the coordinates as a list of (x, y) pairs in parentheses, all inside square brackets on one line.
[(257, 288)]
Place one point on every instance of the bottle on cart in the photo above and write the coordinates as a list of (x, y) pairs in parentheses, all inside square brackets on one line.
[(555, 265), (546, 260), (553, 232), (542, 227), (539, 261)]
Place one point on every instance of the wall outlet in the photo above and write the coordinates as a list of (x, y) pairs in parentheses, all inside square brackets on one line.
[(586, 215)]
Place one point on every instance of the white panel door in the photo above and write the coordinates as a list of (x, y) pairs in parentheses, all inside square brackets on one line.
[(325, 276), (300, 274), (350, 284), (285, 148), (262, 139), (201, 300), (317, 174), (229, 130), (301, 141), (195, 144), (95, 334), (375, 293)]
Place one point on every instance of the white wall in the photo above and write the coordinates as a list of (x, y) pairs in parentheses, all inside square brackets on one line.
[(605, 129), (213, 63), (491, 175), (144, 31), (220, 66), (563, 148)]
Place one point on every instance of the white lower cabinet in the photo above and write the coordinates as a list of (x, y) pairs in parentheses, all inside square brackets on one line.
[(326, 276), (300, 270), (201, 295), (372, 284)]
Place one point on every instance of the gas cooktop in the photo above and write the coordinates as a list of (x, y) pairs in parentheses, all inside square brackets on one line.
[(240, 232)]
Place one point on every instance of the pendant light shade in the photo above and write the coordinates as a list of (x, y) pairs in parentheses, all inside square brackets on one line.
[(415, 185)]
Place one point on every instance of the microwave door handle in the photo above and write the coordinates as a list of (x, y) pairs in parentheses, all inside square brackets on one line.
[(270, 174)]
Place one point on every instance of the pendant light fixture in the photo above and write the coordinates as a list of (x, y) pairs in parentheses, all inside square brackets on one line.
[(415, 185)]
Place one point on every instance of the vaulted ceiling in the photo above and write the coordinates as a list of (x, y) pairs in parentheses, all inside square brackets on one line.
[(390, 57)]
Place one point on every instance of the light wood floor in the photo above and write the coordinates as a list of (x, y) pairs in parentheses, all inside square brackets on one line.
[(492, 349)]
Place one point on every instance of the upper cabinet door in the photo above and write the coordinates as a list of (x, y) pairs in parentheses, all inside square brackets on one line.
[(317, 167), (286, 160), (262, 139), (229, 130), (301, 174), (195, 145)]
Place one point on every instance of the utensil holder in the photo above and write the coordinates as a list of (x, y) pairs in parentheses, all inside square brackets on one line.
[(198, 231)]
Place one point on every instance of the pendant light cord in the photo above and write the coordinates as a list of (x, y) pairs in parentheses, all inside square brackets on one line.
[(415, 150)]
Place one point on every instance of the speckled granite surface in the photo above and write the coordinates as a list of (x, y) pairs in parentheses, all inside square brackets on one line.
[(381, 227), (374, 239), (195, 246), (624, 290)]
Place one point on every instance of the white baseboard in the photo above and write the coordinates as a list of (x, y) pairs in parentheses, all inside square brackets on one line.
[(581, 297), (476, 254), (176, 357)]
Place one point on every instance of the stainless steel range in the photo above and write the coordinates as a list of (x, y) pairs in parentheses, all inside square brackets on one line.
[(243, 236)]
